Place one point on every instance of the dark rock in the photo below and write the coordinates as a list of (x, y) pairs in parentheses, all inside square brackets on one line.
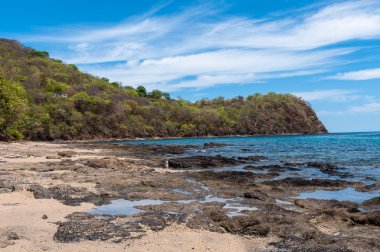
[(237, 177), (372, 202), (66, 153), (84, 226), (166, 149), (98, 163), (257, 230), (330, 169), (208, 161), (66, 194), (372, 187), (12, 236), (322, 165), (301, 182), (217, 215), (214, 145), (201, 162), (325, 204), (257, 194), (293, 163), (6, 187), (44, 217), (245, 150), (245, 225), (269, 168), (252, 168), (371, 218), (147, 183), (296, 244), (109, 163), (252, 158), (370, 178)]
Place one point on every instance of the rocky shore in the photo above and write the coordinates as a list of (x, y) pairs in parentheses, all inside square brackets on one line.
[(81, 196)]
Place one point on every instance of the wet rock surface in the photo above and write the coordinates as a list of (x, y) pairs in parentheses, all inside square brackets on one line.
[(310, 183), (214, 145), (195, 162), (329, 168), (371, 204), (202, 162)]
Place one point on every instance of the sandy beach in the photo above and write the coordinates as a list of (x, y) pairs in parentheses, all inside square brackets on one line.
[(48, 189), (22, 217)]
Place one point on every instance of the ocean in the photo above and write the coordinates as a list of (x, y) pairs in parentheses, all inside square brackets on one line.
[(356, 154)]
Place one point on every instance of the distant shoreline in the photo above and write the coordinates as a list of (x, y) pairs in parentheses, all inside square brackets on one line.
[(171, 138)]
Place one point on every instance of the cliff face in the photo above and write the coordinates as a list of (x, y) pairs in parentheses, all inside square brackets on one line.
[(64, 103)]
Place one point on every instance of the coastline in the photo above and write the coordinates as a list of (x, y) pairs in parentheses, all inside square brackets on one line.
[(108, 140), (64, 180)]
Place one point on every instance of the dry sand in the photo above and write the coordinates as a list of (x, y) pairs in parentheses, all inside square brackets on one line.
[(36, 152)]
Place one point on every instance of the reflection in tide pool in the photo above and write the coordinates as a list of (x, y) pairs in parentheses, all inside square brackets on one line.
[(233, 206), (124, 207), (348, 194), (181, 191)]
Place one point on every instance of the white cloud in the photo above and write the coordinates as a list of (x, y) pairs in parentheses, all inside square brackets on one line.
[(336, 95), (373, 107), (215, 68), (367, 74), (81, 47), (162, 51)]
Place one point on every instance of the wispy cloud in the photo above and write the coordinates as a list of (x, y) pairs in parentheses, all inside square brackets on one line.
[(368, 104), (199, 49), (335, 95), (367, 74), (366, 108), (217, 67), (373, 107)]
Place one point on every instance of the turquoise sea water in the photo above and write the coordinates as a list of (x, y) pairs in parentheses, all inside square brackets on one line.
[(356, 153)]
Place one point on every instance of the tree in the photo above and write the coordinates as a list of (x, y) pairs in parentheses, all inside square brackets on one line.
[(157, 94), (166, 95), (142, 91), (73, 66), (40, 54), (13, 109)]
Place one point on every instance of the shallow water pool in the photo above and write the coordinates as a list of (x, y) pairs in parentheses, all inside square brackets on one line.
[(348, 194)]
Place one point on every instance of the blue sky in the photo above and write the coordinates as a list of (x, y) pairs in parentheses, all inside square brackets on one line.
[(326, 52)]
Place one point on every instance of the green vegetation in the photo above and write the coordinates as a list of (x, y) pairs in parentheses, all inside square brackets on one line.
[(13, 109), (43, 99)]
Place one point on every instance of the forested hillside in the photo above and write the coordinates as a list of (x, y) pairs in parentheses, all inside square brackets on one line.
[(44, 99)]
